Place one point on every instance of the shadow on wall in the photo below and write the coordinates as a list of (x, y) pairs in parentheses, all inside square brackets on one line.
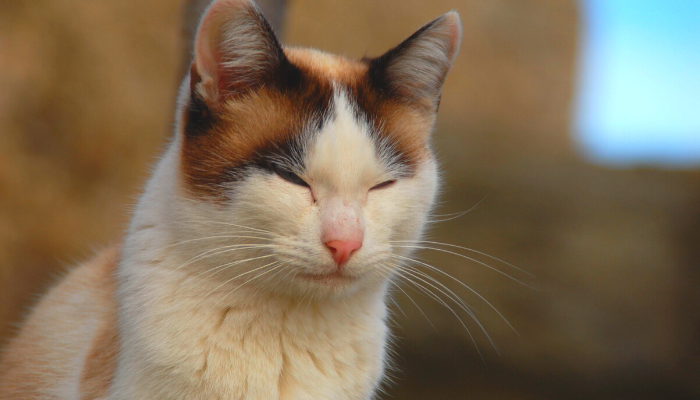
[(86, 96)]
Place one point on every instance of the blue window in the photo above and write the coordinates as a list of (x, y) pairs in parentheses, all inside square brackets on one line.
[(638, 99)]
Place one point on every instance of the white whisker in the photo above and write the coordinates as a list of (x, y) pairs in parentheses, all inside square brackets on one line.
[(460, 214), (464, 248), (221, 268), (396, 285), (471, 259), (238, 276), (461, 283), (213, 237), (447, 306), (453, 297), (222, 250), (470, 310), (229, 224)]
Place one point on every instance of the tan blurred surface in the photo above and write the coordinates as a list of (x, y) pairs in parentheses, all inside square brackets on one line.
[(86, 96)]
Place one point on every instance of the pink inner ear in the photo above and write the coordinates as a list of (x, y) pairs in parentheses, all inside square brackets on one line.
[(454, 27), (235, 50), (206, 63), (207, 47)]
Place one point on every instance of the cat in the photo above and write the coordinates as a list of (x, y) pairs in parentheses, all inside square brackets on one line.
[(258, 259)]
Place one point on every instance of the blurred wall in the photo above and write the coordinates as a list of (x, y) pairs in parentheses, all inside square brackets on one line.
[(86, 95)]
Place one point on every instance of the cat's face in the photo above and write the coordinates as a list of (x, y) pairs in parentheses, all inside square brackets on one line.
[(304, 170)]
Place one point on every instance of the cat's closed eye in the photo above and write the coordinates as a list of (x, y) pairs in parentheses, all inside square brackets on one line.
[(288, 175), (384, 184)]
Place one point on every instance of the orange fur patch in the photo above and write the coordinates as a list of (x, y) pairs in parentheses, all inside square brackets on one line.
[(101, 362), (244, 127)]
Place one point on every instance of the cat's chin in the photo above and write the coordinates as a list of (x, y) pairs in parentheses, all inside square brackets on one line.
[(338, 283)]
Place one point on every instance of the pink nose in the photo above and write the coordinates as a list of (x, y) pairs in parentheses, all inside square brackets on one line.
[(342, 250)]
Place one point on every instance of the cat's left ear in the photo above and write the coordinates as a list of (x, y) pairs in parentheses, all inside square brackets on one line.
[(235, 51), (416, 69)]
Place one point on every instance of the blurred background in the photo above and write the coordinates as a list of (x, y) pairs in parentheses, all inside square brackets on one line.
[(573, 125)]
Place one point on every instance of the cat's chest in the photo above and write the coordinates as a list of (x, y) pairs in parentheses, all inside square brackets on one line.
[(294, 353)]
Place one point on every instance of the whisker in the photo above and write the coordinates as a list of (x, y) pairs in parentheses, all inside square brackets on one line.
[(289, 270), (423, 289), (451, 296), (457, 300), (471, 259), (229, 224), (414, 303), (283, 266), (224, 266), (467, 249), (397, 305), (386, 273), (252, 279), (460, 214), (212, 237), (240, 275), (222, 250), (447, 306), (461, 283), (472, 310)]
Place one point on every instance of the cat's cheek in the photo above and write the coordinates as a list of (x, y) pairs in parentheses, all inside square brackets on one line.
[(381, 214), (306, 197), (402, 208), (305, 192)]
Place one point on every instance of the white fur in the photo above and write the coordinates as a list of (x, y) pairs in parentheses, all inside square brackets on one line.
[(191, 331)]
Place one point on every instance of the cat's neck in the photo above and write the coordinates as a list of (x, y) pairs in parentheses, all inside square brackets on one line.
[(187, 342)]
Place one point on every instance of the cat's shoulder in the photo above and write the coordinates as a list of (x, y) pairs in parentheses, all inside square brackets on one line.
[(70, 333)]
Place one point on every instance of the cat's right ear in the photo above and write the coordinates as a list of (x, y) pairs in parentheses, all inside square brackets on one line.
[(235, 50)]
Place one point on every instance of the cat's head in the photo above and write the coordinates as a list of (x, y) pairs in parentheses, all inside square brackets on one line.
[(302, 171)]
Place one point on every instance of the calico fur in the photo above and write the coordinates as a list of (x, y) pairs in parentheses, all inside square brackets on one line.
[(224, 286)]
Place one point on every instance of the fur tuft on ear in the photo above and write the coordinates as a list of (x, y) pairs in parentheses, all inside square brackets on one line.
[(235, 51), (416, 68)]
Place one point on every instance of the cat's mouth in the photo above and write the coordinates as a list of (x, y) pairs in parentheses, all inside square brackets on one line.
[(336, 276)]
